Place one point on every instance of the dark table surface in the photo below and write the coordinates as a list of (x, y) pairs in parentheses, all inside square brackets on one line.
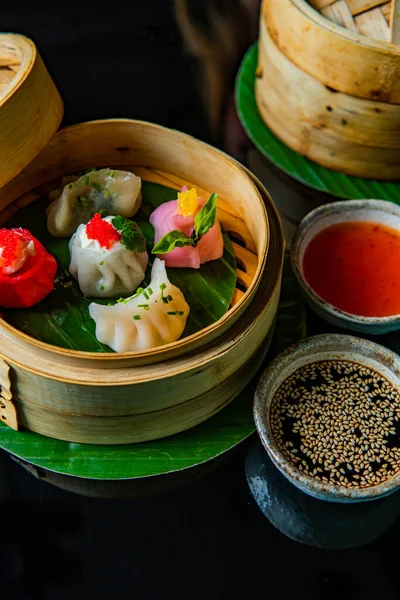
[(207, 539)]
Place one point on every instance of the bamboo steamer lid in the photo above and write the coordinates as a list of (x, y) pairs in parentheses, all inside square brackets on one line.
[(31, 108)]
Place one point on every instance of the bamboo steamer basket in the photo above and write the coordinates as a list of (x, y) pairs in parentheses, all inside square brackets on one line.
[(132, 397), (343, 60), (346, 133)]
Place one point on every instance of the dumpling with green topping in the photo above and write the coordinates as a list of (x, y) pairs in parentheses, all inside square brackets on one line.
[(106, 191), (108, 257), (152, 317)]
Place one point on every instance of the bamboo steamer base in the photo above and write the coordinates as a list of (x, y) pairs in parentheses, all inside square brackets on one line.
[(126, 398), (352, 135), (143, 427)]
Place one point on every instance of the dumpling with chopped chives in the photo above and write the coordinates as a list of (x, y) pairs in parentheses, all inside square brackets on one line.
[(108, 256), (152, 317), (106, 191)]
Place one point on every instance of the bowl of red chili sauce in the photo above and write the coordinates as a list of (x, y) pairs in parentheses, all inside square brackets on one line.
[(346, 257)]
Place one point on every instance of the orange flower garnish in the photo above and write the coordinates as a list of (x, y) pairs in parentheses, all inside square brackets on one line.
[(188, 203)]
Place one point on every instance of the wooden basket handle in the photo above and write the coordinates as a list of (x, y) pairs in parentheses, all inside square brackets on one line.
[(8, 413)]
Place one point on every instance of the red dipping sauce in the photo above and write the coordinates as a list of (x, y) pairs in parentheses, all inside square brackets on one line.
[(355, 266)]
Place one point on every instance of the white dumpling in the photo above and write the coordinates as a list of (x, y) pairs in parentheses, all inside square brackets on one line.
[(103, 272), (107, 191), (152, 317)]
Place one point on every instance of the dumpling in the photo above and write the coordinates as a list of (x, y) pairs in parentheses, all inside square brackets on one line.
[(152, 317), (180, 215), (105, 191), (108, 257)]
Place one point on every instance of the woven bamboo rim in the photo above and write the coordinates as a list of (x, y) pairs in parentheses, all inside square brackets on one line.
[(343, 60), (372, 18)]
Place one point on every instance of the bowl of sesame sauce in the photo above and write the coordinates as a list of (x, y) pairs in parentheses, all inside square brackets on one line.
[(346, 257), (327, 411)]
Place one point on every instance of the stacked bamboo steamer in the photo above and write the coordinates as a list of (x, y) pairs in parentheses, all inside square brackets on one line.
[(329, 92), (124, 398)]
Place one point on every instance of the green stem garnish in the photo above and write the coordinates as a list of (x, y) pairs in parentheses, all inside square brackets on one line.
[(203, 222), (145, 306)]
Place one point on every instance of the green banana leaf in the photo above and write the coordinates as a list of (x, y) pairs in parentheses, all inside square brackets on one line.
[(193, 447), (63, 319)]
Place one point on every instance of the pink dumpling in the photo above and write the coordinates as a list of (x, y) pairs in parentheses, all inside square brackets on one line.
[(211, 246)]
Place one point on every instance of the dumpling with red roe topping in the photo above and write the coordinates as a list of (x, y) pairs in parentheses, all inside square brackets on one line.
[(108, 256), (180, 216), (15, 248), (27, 270)]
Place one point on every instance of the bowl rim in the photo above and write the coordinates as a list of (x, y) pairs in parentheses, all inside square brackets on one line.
[(263, 399), (310, 219)]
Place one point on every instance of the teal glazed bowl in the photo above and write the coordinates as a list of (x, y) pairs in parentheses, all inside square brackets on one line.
[(331, 347), (377, 211)]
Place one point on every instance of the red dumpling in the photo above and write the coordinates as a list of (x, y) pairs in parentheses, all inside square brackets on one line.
[(27, 270)]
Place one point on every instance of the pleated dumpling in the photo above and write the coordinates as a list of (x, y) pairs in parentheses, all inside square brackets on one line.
[(108, 257), (154, 316), (106, 191)]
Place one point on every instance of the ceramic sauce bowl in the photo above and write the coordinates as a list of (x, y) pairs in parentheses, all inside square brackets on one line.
[(332, 431), (376, 211)]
